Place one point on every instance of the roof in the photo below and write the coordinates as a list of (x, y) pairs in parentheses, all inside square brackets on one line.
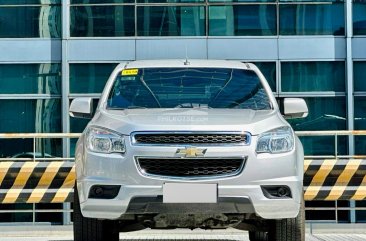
[(195, 63)]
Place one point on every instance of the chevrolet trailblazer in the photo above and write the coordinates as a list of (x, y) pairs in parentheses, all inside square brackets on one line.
[(188, 144)]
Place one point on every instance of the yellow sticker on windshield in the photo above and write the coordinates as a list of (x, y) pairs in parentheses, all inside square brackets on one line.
[(126, 72)]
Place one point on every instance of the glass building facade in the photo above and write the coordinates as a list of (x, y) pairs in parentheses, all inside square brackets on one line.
[(53, 51)]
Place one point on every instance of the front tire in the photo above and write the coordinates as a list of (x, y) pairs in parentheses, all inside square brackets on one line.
[(290, 229), (91, 229), (258, 236)]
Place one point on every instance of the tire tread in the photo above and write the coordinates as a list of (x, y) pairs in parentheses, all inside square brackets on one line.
[(90, 229)]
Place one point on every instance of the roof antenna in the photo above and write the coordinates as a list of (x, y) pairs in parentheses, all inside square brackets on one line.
[(186, 62)]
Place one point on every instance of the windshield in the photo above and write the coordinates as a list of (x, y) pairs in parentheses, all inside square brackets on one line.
[(188, 88)]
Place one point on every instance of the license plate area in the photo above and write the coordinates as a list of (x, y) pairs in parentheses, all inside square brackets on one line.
[(190, 193)]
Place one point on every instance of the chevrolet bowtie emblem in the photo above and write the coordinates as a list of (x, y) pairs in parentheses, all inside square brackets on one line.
[(190, 152)]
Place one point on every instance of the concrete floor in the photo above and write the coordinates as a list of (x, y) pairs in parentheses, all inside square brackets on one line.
[(64, 233)]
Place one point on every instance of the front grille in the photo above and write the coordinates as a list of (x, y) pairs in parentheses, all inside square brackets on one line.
[(184, 138), (191, 167)]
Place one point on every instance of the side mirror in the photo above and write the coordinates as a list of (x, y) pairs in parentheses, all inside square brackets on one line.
[(295, 108), (81, 108)]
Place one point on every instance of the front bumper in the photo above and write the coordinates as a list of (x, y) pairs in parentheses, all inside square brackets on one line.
[(232, 199), (260, 170)]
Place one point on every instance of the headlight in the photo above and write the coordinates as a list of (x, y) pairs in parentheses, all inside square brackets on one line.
[(104, 141), (276, 141)]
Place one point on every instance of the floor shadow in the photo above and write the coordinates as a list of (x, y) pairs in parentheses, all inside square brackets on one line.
[(178, 239)]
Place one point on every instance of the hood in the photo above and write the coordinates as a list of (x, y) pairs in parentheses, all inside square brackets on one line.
[(192, 119)]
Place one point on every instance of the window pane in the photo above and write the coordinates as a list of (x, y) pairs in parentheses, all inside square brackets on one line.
[(170, 21), (313, 76), (40, 116), (242, 20), (16, 217), (360, 124), (29, 2), (312, 19), (312, 1), (359, 18), (325, 113), (54, 218), (100, 1), (51, 217), (239, 1), (268, 69), (170, 1), (361, 215), (30, 116), (320, 214), (30, 22), (89, 78), (360, 110), (359, 75), (102, 21), (30, 79)]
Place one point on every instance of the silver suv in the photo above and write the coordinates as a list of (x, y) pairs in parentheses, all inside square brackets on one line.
[(188, 144)]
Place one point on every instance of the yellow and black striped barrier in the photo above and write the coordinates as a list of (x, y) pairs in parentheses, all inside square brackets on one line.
[(335, 179), (36, 182), (53, 182)]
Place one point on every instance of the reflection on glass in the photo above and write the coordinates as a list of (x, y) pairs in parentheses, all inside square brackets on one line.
[(30, 78), (89, 78), (16, 217), (268, 69), (359, 18), (360, 113), (313, 1), (313, 76), (360, 124), (189, 87), (324, 145), (359, 75), (170, 1), (51, 217), (361, 215), (320, 214), (100, 1), (239, 1), (312, 19), (27, 217), (28, 2), (242, 20), (102, 21), (30, 22), (30, 116), (170, 21), (325, 113)]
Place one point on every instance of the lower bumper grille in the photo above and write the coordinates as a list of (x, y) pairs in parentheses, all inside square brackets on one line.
[(191, 167)]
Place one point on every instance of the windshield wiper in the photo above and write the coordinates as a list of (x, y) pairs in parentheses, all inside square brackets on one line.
[(128, 107), (136, 107), (192, 105)]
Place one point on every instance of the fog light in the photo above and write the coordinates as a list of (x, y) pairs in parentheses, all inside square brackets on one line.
[(98, 191), (281, 192), (274, 192), (104, 191)]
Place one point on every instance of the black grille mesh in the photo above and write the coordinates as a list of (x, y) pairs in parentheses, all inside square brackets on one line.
[(190, 167), (192, 138)]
